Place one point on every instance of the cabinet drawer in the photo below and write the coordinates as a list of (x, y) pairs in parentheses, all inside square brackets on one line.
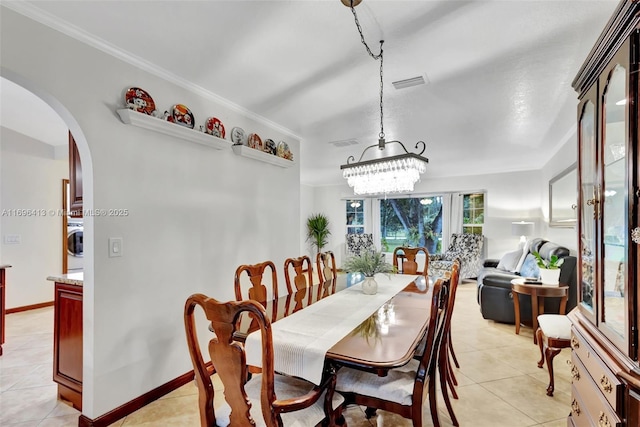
[(595, 405), (578, 417), (612, 389)]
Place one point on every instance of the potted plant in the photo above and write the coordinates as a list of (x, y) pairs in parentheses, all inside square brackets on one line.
[(369, 264), (318, 230), (549, 268)]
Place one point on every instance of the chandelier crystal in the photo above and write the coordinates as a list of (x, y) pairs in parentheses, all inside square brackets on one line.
[(394, 174)]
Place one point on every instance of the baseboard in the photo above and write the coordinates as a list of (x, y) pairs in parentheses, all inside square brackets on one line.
[(29, 307), (135, 404)]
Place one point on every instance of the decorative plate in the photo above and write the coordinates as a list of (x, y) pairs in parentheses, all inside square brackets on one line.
[(213, 126), (181, 115), (139, 100), (269, 146), (254, 141), (237, 136), (283, 151)]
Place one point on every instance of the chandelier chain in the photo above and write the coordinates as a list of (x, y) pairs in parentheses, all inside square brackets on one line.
[(379, 56)]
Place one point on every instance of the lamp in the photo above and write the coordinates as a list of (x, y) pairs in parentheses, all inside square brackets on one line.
[(522, 229), (393, 174)]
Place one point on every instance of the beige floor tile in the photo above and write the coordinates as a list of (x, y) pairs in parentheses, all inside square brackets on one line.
[(27, 404), (176, 412), (529, 396), (63, 421), (32, 423), (354, 416), (561, 384), (562, 422), (40, 376), (63, 409), (27, 356), (478, 407), (480, 366)]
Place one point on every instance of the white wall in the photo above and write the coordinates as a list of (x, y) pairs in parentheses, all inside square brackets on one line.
[(30, 179), (195, 213), (566, 155)]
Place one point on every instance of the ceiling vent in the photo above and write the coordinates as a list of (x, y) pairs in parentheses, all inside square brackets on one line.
[(344, 142), (414, 81)]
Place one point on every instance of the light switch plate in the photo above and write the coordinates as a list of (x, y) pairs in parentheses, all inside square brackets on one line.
[(115, 247)]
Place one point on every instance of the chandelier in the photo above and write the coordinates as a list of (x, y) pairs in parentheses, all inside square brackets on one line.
[(392, 174)]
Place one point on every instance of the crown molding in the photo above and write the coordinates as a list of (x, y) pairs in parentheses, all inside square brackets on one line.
[(49, 20)]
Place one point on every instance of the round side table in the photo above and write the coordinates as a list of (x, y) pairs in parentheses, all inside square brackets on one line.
[(538, 293)]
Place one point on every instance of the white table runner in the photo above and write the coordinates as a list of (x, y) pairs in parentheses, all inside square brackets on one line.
[(301, 340)]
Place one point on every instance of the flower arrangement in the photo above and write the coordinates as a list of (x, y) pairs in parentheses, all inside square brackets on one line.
[(552, 263), (369, 264)]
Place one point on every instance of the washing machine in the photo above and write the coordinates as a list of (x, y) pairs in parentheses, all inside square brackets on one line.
[(75, 238)]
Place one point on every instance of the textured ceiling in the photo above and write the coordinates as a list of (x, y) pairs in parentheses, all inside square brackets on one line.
[(499, 73)]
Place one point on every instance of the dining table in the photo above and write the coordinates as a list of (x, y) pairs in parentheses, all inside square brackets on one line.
[(341, 326)]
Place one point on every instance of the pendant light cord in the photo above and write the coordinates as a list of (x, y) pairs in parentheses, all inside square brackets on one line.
[(376, 57)]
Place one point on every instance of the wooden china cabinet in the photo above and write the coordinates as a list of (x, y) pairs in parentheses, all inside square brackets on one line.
[(605, 370)]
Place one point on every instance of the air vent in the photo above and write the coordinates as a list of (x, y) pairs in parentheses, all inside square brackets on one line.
[(344, 142), (414, 81)]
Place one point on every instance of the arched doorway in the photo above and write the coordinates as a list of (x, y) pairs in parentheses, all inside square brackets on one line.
[(71, 125)]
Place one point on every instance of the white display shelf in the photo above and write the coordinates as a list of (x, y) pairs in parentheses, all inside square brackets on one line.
[(252, 153), (132, 117)]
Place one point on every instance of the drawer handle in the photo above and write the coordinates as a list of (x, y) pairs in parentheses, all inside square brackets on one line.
[(575, 373), (575, 343), (605, 385), (603, 420), (575, 408)]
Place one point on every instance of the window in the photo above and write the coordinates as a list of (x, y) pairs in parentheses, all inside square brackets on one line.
[(355, 216), (473, 213), (411, 222)]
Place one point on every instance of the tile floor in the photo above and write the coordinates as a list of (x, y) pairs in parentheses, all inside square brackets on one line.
[(500, 384)]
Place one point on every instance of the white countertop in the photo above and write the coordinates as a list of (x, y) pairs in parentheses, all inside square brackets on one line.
[(69, 279)]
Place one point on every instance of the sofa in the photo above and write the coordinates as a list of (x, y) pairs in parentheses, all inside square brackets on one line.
[(494, 281)]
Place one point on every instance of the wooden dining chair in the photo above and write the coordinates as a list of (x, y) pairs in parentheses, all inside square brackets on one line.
[(327, 273), (402, 390), (298, 275), (445, 370), (257, 291), (405, 260), (268, 398)]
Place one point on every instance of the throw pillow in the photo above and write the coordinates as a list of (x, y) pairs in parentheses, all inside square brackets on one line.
[(530, 267), (510, 260), (525, 251)]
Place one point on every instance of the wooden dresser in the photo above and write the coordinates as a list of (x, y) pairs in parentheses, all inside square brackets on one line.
[(605, 370)]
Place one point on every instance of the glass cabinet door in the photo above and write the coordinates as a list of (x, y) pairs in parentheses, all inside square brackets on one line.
[(613, 201), (587, 210)]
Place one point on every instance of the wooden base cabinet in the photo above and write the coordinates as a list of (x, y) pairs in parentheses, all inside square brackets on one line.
[(2, 306), (604, 336), (67, 343)]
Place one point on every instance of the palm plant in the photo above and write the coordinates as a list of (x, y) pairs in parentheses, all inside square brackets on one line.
[(368, 263), (318, 230)]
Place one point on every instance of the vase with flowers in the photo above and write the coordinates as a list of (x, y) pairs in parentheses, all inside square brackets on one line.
[(369, 263), (549, 268)]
